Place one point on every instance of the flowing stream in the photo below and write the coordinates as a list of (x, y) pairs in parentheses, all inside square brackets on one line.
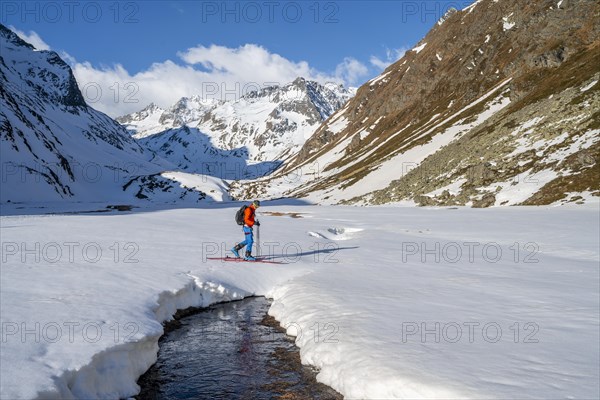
[(230, 351)]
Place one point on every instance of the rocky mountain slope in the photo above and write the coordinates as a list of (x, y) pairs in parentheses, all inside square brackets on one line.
[(235, 139), (54, 147), (499, 104)]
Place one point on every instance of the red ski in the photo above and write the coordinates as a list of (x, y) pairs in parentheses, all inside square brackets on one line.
[(235, 259)]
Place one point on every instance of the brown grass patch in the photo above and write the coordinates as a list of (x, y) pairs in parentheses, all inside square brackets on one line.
[(282, 214)]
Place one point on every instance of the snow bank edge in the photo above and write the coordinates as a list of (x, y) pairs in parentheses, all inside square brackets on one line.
[(113, 373)]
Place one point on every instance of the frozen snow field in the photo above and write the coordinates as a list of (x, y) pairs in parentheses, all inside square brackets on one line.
[(388, 302)]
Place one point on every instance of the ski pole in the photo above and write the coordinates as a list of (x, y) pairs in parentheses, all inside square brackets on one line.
[(258, 240)]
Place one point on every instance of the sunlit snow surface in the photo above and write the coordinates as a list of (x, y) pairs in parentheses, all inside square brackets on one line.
[(388, 302)]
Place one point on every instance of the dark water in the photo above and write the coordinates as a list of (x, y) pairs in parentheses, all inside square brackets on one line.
[(230, 351)]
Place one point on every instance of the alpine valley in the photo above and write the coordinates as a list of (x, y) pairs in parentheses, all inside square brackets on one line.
[(497, 105), (113, 231)]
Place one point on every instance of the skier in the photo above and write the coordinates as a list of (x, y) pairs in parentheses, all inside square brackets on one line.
[(249, 222)]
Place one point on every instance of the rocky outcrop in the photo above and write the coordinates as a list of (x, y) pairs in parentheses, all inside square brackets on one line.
[(500, 97)]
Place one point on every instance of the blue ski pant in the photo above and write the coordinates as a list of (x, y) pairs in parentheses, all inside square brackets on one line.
[(249, 241)]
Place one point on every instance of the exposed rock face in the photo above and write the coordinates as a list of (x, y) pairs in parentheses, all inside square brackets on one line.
[(140, 115), (487, 200), (499, 99), (52, 81), (54, 147)]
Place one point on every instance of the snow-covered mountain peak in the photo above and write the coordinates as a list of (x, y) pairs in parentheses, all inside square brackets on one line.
[(187, 110), (48, 76), (269, 123), (12, 40), (145, 113), (54, 147)]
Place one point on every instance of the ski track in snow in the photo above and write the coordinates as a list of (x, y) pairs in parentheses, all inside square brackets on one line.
[(370, 297)]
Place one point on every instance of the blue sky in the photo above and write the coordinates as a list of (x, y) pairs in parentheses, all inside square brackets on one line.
[(113, 44)]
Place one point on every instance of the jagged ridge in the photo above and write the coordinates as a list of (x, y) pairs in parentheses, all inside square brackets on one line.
[(263, 126)]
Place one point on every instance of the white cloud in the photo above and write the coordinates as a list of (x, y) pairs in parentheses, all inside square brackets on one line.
[(215, 71), (351, 71), (67, 57), (115, 91), (249, 63), (377, 62), (391, 56), (212, 72), (32, 38)]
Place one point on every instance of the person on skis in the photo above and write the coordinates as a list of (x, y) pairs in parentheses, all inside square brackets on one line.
[(249, 222)]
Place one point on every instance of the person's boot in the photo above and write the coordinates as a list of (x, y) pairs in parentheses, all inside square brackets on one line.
[(249, 256), (235, 250)]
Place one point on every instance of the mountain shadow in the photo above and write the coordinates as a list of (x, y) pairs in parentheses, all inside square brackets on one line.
[(191, 150)]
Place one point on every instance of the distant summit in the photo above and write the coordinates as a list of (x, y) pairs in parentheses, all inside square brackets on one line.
[(270, 124)]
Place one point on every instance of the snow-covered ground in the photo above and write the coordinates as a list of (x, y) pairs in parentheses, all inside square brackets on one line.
[(389, 302)]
